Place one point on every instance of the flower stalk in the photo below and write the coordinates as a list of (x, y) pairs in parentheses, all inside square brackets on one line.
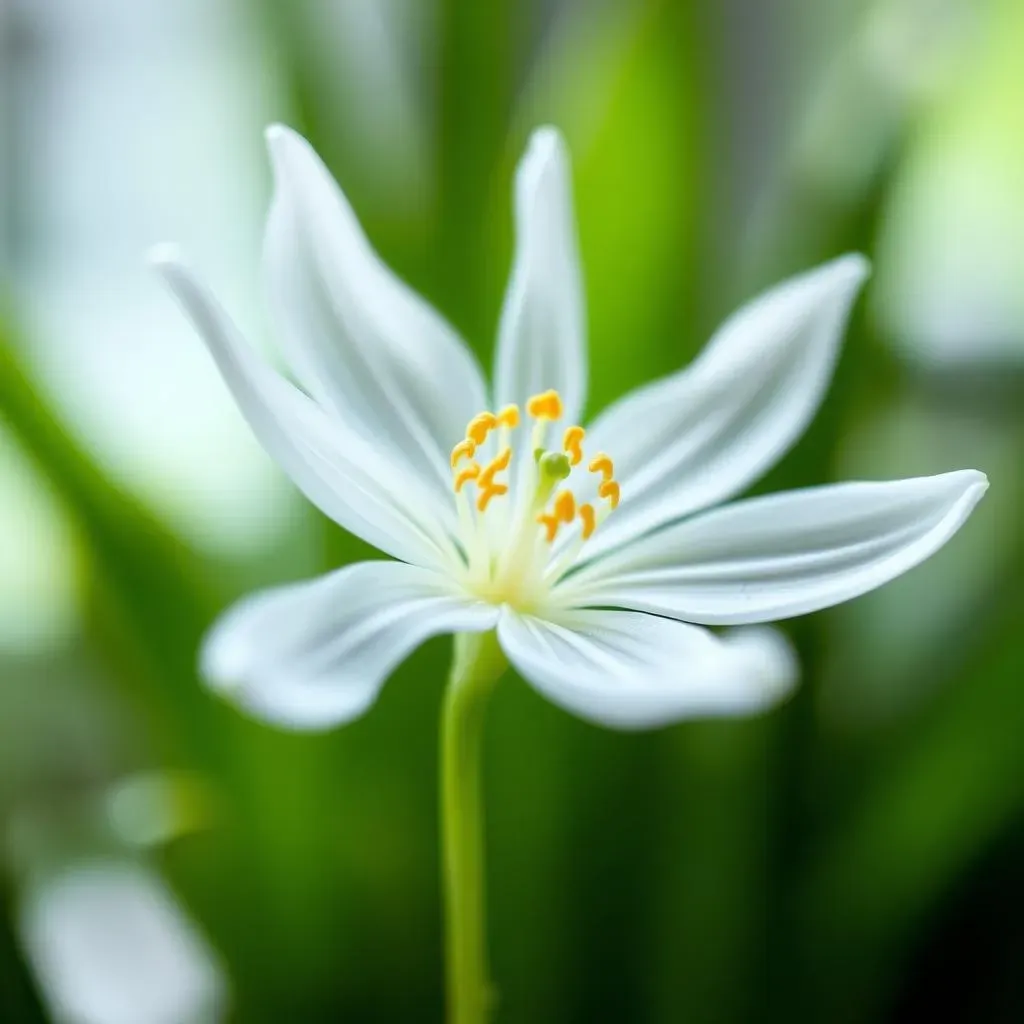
[(477, 665)]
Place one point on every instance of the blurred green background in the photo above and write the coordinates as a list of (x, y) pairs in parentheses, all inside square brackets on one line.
[(856, 856)]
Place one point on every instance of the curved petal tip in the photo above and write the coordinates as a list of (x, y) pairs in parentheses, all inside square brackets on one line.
[(273, 132), (546, 139), (854, 266), (546, 148), (278, 136), (768, 662)]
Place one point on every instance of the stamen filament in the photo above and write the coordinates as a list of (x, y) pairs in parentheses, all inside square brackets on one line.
[(484, 499), (550, 524), (509, 417), (509, 558), (610, 491), (495, 466), (471, 472)]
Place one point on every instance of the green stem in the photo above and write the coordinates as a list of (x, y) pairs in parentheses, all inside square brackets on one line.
[(478, 664)]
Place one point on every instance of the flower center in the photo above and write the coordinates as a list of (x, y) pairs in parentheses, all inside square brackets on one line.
[(524, 526)]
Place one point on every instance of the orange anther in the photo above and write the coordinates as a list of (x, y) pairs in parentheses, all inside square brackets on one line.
[(494, 491), (545, 406), (480, 426), (602, 464), (508, 417), (495, 466), (609, 489), (471, 472), (572, 441), (565, 507), (550, 524), (465, 449), (586, 513)]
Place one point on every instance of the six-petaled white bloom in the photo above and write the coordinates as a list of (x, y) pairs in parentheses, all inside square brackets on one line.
[(592, 553)]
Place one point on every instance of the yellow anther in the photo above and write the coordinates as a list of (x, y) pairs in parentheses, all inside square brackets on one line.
[(471, 472), (508, 417), (609, 489), (545, 406), (495, 466), (586, 513), (572, 442), (480, 426), (494, 491), (602, 464), (550, 524), (565, 507), (465, 449)]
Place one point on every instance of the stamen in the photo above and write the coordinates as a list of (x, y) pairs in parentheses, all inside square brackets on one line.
[(565, 507), (494, 491), (545, 406), (609, 490), (480, 426), (495, 466), (471, 472), (550, 524), (602, 464), (508, 417), (586, 513), (510, 561), (465, 449), (572, 441)]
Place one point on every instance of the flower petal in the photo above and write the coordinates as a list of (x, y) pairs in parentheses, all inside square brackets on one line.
[(632, 671), (313, 655), (342, 475), (541, 343), (704, 434), (109, 942), (359, 339), (782, 555)]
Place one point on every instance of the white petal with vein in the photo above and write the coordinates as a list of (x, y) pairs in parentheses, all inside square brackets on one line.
[(360, 340), (782, 555), (541, 341), (349, 481), (704, 434), (632, 671), (316, 654)]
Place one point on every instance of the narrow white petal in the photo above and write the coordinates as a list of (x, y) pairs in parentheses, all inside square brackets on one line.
[(316, 654), (541, 341), (361, 341), (627, 670), (785, 554), (109, 944), (704, 434), (339, 472)]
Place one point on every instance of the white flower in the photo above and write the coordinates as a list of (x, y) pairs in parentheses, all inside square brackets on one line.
[(591, 553), (110, 945)]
